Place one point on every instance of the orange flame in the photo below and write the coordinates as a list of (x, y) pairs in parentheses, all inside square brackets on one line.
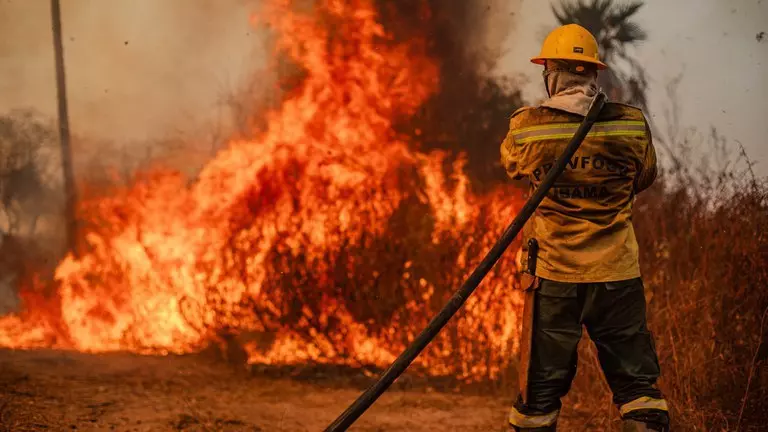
[(273, 235)]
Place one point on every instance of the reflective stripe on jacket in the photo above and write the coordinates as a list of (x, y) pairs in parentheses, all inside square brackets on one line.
[(584, 225)]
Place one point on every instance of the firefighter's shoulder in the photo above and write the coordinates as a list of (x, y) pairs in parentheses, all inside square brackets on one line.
[(520, 111), (624, 110), (518, 117)]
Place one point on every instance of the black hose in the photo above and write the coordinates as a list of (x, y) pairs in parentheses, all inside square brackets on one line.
[(348, 417)]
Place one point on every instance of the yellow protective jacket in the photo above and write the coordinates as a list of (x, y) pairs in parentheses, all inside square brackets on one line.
[(584, 225)]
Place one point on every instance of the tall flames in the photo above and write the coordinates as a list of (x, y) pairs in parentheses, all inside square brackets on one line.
[(327, 239)]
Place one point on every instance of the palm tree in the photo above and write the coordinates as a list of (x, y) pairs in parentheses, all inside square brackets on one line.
[(611, 23)]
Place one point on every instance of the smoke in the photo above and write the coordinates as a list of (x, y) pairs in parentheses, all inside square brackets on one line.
[(146, 71), (136, 70), (469, 114)]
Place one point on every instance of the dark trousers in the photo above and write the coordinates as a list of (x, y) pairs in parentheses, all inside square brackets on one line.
[(615, 318)]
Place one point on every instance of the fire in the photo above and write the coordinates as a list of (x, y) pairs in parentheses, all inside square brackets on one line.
[(327, 237)]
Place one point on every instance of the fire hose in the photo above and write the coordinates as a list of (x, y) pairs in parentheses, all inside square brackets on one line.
[(401, 363)]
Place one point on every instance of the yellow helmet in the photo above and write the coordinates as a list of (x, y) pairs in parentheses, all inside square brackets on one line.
[(570, 42)]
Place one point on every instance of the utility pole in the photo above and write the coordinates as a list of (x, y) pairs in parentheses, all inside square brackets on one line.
[(70, 192)]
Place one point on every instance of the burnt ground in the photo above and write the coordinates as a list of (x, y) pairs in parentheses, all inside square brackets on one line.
[(69, 391)]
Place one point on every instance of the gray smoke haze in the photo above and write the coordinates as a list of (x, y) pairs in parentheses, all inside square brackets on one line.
[(135, 69), (140, 69)]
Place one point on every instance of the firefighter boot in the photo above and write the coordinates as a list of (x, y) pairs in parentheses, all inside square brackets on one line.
[(523, 418), (646, 421), (636, 426)]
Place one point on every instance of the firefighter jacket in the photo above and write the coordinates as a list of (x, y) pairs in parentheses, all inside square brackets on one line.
[(584, 224)]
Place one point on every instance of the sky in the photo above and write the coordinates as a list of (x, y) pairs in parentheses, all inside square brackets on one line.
[(142, 69)]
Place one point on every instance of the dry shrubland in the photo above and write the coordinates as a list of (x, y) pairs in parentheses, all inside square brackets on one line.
[(704, 255)]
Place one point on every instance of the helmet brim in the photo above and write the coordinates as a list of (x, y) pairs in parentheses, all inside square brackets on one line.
[(542, 60)]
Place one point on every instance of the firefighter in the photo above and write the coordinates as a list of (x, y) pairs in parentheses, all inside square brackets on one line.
[(586, 260)]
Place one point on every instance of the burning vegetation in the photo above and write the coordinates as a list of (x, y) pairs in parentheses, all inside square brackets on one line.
[(326, 237), (334, 231)]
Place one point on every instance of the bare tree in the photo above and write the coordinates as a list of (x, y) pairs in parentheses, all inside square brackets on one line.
[(27, 173)]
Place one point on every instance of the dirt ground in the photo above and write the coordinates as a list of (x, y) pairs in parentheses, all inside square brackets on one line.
[(67, 391)]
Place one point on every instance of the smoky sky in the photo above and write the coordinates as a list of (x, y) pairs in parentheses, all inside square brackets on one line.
[(134, 69)]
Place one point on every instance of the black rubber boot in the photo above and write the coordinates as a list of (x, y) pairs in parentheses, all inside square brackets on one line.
[(636, 426), (646, 421)]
